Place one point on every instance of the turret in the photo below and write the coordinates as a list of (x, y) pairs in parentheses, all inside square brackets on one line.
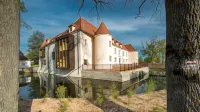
[(103, 45)]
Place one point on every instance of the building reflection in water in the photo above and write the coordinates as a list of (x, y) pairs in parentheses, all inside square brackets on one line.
[(42, 84), (81, 86)]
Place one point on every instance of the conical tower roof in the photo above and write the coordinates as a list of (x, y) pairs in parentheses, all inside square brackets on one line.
[(102, 29)]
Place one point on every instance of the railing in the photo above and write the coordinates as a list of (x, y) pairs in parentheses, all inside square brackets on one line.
[(156, 66), (113, 67)]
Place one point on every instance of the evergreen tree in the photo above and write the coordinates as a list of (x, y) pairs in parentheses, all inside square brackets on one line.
[(34, 43)]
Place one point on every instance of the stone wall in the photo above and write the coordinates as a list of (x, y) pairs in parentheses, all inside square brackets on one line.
[(114, 76)]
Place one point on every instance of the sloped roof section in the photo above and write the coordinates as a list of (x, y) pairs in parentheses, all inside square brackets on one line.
[(43, 44), (88, 28), (130, 48), (102, 29), (46, 41), (115, 43), (83, 25), (21, 56)]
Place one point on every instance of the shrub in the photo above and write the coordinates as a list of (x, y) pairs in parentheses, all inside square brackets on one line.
[(158, 109), (63, 107), (45, 97), (100, 99), (81, 95), (88, 84), (151, 86), (129, 93), (114, 91), (60, 91)]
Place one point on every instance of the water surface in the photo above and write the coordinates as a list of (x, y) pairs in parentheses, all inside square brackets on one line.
[(37, 85)]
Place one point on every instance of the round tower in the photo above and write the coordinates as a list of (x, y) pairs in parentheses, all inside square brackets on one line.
[(103, 45)]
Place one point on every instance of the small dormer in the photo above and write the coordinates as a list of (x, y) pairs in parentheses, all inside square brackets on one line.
[(48, 40), (117, 44), (72, 27), (120, 46), (113, 42)]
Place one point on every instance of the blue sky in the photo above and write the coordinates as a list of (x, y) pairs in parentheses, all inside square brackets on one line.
[(54, 16)]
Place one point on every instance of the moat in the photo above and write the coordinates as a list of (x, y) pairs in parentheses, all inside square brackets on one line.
[(38, 85)]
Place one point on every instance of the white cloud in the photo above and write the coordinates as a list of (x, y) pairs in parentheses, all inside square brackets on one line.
[(131, 24)]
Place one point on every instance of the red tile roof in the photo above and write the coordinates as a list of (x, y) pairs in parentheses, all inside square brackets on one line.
[(130, 48), (87, 27), (46, 41), (102, 29), (83, 25), (43, 44), (115, 43)]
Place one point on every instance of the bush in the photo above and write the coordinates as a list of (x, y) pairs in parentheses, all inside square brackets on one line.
[(45, 97), (151, 86), (88, 84), (114, 91), (82, 94), (100, 99), (60, 91), (158, 109), (63, 107), (129, 93)]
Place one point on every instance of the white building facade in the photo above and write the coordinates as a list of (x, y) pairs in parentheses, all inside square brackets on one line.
[(82, 44), (24, 62)]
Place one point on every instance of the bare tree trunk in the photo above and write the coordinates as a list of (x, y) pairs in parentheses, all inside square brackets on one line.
[(9, 54), (183, 44)]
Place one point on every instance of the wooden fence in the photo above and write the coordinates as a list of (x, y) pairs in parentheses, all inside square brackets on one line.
[(113, 67)]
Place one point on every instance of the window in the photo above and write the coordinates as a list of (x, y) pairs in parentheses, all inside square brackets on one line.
[(123, 61), (126, 60), (85, 61), (42, 53), (61, 53), (110, 58), (119, 60), (126, 54), (53, 55), (85, 42), (119, 52), (123, 53), (44, 62), (109, 43), (115, 59), (115, 50), (70, 29)]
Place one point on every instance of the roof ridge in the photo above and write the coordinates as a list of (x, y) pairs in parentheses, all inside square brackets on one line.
[(88, 22), (119, 41)]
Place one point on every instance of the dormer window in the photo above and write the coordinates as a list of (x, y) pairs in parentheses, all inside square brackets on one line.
[(121, 46), (117, 44), (71, 27)]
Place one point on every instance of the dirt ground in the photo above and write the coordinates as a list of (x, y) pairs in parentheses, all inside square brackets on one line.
[(53, 105), (144, 102), (138, 103)]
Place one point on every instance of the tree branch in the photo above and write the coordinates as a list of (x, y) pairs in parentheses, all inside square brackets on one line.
[(99, 5)]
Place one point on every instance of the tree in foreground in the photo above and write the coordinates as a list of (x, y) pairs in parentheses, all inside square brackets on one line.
[(9, 54), (34, 43), (182, 45)]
